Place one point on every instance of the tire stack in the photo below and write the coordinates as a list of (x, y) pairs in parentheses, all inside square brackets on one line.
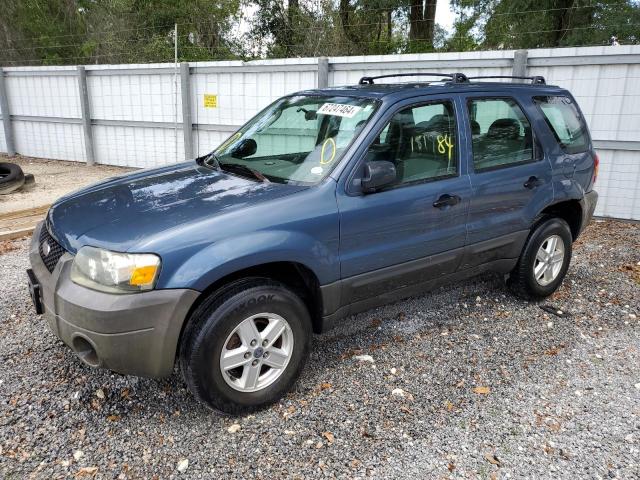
[(13, 178)]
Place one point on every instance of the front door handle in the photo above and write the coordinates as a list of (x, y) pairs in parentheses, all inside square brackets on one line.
[(446, 200), (532, 182)]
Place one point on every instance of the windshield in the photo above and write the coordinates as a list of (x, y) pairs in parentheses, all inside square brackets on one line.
[(297, 139)]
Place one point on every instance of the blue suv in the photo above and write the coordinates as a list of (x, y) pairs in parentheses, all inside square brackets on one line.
[(327, 203)]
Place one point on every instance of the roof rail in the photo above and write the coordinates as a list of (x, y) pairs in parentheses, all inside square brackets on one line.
[(535, 80), (454, 77)]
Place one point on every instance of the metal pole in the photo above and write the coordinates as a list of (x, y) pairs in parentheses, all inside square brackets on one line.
[(86, 115), (175, 85), (6, 117), (187, 123), (520, 63), (323, 72)]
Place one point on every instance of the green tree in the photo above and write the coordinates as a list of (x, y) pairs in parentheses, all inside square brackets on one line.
[(547, 23), (422, 20), (115, 31), (40, 31), (364, 21)]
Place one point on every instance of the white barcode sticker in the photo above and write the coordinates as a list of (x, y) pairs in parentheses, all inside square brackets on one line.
[(339, 110)]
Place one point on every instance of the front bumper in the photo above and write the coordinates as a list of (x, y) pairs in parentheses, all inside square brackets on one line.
[(133, 334)]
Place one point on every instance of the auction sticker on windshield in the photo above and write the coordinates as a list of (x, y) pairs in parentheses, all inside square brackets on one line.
[(339, 110)]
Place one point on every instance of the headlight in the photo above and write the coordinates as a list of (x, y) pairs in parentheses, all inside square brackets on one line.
[(115, 272)]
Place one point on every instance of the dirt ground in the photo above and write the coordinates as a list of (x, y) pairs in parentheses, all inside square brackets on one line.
[(54, 178)]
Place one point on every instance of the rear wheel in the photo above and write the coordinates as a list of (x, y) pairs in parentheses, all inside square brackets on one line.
[(544, 260), (245, 346)]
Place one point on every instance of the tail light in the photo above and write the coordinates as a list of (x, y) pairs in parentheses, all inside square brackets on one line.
[(596, 167)]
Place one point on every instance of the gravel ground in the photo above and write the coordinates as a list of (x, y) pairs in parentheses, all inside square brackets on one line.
[(466, 382)]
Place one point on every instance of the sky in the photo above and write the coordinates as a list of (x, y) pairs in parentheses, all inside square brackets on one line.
[(445, 15)]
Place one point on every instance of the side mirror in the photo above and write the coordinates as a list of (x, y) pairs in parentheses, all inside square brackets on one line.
[(378, 174), (245, 148)]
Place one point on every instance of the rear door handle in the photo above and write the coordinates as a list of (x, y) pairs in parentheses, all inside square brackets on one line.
[(446, 200), (532, 182)]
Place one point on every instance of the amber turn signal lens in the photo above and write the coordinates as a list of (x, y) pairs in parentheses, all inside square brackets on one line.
[(143, 275)]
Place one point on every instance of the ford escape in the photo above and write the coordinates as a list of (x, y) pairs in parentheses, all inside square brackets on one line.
[(328, 202)]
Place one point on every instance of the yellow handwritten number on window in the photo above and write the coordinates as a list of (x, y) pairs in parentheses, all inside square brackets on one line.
[(445, 145)]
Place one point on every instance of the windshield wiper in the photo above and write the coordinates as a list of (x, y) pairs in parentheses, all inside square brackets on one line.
[(209, 160), (213, 159), (242, 170)]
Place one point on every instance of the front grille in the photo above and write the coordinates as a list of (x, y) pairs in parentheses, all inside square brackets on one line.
[(55, 250)]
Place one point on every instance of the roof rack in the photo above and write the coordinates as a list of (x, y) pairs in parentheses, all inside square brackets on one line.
[(454, 77), (535, 80)]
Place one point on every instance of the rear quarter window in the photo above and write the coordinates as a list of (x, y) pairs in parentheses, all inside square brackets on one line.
[(565, 122)]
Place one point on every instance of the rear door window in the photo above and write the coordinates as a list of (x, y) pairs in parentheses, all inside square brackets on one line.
[(565, 122), (501, 134)]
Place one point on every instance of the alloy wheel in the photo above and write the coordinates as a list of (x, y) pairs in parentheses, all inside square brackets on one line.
[(549, 260), (257, 352)]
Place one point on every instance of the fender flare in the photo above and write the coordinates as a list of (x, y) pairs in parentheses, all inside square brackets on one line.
[(231, 255)]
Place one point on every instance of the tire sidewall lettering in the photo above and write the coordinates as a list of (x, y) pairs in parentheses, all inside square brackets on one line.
[(252, 302)]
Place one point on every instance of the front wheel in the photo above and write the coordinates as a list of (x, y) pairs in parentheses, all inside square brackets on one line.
[(245, 346), (544, 260)]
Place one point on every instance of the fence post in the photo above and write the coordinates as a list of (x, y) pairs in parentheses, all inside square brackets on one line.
[(6, 117), (187, 122), (323, 72), (520, 63), (86, 115)]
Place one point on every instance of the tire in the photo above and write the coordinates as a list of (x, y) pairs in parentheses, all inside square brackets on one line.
[(525, 279), (11, 177), (212, 329), (29, 182)]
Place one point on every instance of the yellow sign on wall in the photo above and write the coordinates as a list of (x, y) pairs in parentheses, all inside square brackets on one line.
[(210, 101)]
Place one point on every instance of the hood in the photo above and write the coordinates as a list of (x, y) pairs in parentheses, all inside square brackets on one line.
[(125, 211)]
